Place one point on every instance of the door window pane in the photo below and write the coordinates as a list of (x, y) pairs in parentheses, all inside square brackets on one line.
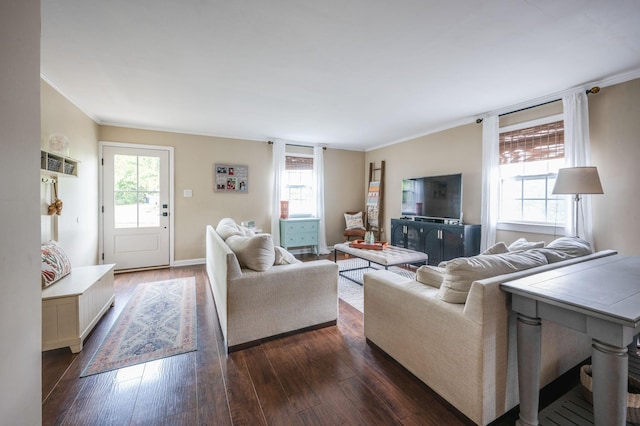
[(136, 191)]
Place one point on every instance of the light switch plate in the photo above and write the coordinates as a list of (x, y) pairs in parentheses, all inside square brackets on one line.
[(188, 193)]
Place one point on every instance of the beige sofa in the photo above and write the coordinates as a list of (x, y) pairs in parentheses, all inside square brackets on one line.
[(466, 352), (256, 298)]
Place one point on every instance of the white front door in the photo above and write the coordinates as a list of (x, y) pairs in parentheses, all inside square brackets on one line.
[(136, 207)]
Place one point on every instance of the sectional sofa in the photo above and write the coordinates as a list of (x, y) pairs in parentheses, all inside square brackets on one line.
[(455, 331)]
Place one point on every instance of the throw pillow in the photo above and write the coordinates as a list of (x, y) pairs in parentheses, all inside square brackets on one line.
[(55, 263), (463, 271), (430, 275), (283, 257), (255, 253), (246, 231), (566, 248), (228, 227), (523, 244), (497, 248), (354, 221)]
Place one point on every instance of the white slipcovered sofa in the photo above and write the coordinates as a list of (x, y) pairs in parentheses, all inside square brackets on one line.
[(262, 291), (455, 330)]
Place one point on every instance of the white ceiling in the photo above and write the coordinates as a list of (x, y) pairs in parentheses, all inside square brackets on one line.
[(355, 74)]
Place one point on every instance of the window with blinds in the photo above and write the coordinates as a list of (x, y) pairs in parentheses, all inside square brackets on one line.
[(298, 163), (529, 161), (297, 185), (542, 142)]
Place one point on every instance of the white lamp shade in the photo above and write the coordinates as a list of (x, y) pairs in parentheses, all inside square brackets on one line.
[(578, 180)]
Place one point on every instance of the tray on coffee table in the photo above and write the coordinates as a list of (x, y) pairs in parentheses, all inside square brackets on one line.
[(377, 245)]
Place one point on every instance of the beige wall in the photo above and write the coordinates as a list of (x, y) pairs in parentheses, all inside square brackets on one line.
[(615, 132), (614, 118), (20, 314), (344, 189), (78, 224), (457, 150), (195, 157)]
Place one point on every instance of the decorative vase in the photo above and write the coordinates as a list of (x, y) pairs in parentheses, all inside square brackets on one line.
[(369, 238)]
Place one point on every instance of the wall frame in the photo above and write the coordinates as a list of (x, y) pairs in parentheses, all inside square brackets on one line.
[(230, 178)]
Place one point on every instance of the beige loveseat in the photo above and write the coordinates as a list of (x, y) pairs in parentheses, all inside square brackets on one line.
[(466, 351), (256, 298)]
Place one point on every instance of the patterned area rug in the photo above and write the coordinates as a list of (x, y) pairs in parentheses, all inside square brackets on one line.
[(353, 293), (158, 321)]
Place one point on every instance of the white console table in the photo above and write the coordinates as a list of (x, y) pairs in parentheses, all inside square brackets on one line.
[(74, 305), (600, 298)]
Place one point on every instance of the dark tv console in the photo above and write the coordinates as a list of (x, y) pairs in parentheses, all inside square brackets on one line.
[(440, 241)]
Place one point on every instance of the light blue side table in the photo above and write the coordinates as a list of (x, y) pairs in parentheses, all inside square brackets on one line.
[(299, 232)]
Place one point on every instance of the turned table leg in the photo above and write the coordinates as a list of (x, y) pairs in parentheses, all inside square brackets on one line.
[(529, 339), (610, 370)]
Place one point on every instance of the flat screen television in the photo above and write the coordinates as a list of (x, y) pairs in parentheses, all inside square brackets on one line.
[(433, 197)]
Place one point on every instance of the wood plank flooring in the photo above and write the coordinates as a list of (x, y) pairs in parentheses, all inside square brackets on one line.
[(322, 377)]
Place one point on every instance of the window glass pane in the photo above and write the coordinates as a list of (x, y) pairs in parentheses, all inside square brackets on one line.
[(534, 210), (149, 210), (125, 169), (149, 174), (534, 188), (125, 212), (511, 210), (556, 212)]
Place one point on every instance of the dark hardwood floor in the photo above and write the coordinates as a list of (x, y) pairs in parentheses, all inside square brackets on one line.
[(322, 377)]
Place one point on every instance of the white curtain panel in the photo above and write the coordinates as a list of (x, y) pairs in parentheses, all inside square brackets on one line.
[(577, 153), (490, 181), (318, 174), (278, 162)]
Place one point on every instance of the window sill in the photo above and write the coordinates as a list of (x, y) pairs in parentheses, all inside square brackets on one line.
[(532, 228)]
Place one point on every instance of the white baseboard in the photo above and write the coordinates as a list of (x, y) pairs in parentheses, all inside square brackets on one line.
[(189, 262)]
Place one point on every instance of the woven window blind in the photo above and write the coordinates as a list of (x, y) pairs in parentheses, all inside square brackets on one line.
[(298, 163), (543, 142)]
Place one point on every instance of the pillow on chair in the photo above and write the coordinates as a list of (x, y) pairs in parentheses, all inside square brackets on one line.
[(55, 263), (354, 221)]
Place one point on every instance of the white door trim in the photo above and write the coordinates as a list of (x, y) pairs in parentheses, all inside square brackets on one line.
[(169, 149)]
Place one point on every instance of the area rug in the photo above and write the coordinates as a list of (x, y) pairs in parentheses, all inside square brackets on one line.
[(158, 321), (353, 293)]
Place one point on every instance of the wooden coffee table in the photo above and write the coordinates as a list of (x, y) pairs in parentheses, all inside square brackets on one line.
[(389, 256)]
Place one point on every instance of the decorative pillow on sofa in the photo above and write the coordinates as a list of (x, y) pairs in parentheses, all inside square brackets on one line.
[(564, 248), (497, 248), (255, 253), (228, 227), (430, 275), (354, 221), (283, 257), (463, 271), (246, 231), (55, 263), (523, 244)]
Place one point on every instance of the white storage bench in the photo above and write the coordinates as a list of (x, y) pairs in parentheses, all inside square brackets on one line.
[(74, 305)]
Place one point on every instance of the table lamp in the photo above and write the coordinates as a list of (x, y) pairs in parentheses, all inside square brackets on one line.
[(578, 181)]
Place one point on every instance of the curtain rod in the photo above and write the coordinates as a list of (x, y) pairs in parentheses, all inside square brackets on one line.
[(324, 148), (594, 90)]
